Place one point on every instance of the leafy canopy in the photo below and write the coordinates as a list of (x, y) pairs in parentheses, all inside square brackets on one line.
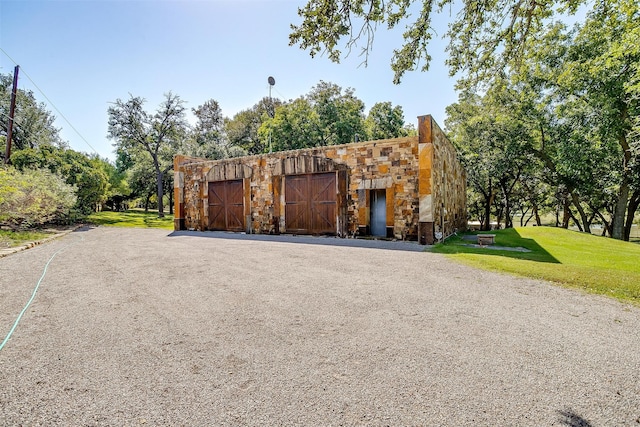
[(483, 36)]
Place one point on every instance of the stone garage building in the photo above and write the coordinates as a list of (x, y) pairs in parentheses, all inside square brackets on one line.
[(410, 188)]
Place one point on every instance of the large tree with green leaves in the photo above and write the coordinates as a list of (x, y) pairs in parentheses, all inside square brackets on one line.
[(494, 147), (340, 114), (295, 125), (575, 99), (33, 123), (385, 121), (483, 36), (207, 137), (589, 76), (242, 129), (89, 175), (327, 115), (158, 134)]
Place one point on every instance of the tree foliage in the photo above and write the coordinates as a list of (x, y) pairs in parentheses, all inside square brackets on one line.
[(242, 129), (494, 148), (295, 125), (159, 134), (483, 36), (327, 115), (340, 115), (208, 138), (576, 100), (33, 123), (385, 121), (89, 176)]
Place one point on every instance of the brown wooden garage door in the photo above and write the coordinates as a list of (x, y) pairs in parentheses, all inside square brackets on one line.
[(226, 208), (310, 203)]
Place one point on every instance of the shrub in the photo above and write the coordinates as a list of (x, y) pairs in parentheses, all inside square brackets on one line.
[(33, 197)]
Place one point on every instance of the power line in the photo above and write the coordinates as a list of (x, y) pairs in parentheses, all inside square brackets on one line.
[(6, 116), (284, 98), (51, 103)]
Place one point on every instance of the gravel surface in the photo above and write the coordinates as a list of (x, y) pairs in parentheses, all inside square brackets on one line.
[(145, 327)]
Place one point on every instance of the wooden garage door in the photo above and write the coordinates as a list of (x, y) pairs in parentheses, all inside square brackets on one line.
[(226, 208), (310, 203)]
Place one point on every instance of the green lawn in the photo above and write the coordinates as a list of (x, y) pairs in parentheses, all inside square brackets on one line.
[(595, 264), (10, 239), (131, 218)]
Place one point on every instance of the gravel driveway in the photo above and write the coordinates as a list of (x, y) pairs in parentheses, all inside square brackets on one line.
[(145, 327)]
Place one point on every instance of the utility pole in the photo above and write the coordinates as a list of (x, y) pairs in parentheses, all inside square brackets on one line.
[(12, 110), (272, 111)]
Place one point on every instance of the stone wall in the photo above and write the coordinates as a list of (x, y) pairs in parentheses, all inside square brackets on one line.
[(449, 186), (393, 166)]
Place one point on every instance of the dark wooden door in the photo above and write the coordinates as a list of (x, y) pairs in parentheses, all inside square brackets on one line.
[(296, 211), (310, 203), (226, 207)]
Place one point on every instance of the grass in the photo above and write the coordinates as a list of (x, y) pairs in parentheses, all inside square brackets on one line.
[(131, 218), (10, 238), (592, 263)]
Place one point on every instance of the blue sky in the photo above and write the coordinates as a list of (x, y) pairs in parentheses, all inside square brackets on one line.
[(84, 54)]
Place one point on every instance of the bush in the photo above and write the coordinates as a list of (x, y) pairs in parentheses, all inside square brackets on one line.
[(33, 197)]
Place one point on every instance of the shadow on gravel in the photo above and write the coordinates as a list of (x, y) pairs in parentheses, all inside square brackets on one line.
[(307, 240), (571, 419)]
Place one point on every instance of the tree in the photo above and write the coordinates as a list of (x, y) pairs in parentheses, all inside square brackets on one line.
[(208, 133), (340, 115), (385, 121), (591, 77), (325, 116), (208, 138), (483, 36), (575, 99), (33, 123), (158, 134), (242, 129), (88, 175), (141, 179), (118, 190), (295, 125), (494, 148)]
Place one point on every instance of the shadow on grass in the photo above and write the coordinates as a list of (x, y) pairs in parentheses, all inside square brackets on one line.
[(105, 221), (508, 238), (155, 220)]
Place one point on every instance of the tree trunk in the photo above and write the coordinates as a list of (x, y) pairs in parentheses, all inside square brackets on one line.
[(160, 193), (486, 226), (537, 214), (566, 213), (528, 219), (631, 212), (585, 221), (146, 202), (617, 222), (508, 223), (575, 220), (524, 213), (605, 224)]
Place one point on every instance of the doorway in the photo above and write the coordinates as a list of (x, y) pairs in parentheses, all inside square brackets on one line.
[(378, 203)]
